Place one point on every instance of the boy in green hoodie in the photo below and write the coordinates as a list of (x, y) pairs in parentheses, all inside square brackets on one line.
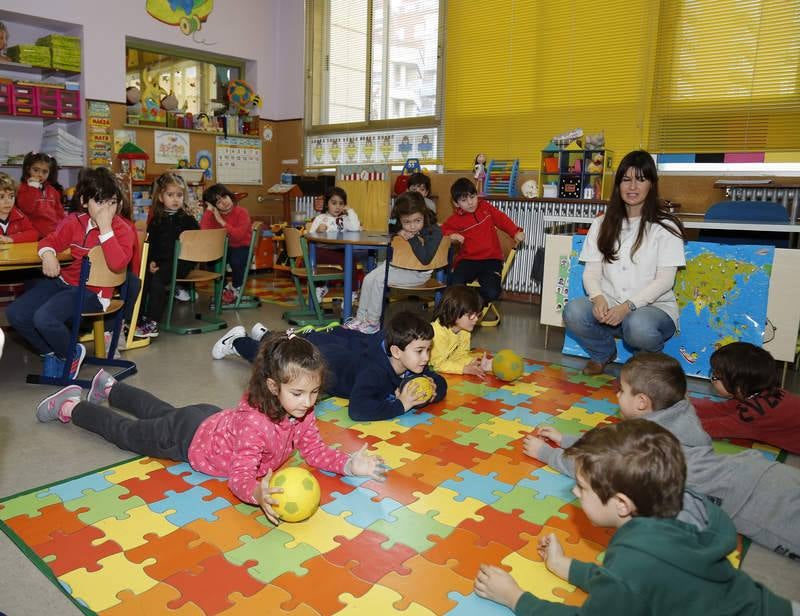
[(669, 554)]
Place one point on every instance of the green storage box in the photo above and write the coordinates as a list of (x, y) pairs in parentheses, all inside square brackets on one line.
[(35, 55)]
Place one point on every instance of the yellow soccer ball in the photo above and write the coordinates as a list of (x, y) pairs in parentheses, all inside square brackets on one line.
[(507, 365), (424, 387), (300, 497)]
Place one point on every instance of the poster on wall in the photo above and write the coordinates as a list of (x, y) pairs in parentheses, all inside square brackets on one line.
[(238, 160), (99, 134), (171, 148), (123, 136)]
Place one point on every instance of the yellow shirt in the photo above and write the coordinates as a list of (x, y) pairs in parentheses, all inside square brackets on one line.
[(450, 352)]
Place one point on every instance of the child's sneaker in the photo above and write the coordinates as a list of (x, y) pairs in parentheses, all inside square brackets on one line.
[(258, 331), (107, 336), (51, 365), (50, 408), (182, 294), (101, 387), (354, 297), (77, 361), (224, 346), (321, 292), (369, 327), (147, 329), (353, 323)]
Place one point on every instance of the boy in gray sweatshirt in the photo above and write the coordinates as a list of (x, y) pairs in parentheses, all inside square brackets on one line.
[(761, 497)]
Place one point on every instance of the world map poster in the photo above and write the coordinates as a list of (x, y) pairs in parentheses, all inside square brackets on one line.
[(722, 297)]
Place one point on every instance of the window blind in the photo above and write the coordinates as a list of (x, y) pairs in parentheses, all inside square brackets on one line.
[(524, 71), (726, 79)]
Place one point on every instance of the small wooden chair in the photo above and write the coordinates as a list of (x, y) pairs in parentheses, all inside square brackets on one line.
[(199, 246), (401, 255), (94, 272), (248, 301), (509, 248), (131, 342), (310, 312)]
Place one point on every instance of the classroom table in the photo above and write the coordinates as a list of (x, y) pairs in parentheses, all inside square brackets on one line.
[(15, 256), (349, 240)]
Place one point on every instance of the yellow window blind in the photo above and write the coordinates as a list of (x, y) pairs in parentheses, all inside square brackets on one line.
[(727, 76), (519, 72)]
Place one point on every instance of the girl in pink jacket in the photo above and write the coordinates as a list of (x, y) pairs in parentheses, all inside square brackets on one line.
[(244, 444)]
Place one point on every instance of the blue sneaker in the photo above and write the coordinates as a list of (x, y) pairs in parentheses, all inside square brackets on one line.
[(77, 361)]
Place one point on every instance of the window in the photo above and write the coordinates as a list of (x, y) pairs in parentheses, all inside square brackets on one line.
[(373, 72)]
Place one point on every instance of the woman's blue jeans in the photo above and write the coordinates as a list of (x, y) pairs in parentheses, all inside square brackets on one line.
[(645, 329)]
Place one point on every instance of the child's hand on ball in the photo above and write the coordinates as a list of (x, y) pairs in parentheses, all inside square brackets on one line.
[(413, 395), (263, 495), (362, 464)]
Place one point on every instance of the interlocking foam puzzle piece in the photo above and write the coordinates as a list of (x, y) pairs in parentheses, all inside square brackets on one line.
[(471, 604), (506, 397), (37, 529), (141, 468), (394, 455), (448, 510), (319, 530), (268, 598), (151, 601), (524, 416), (28, 504), (258, 554), (575, 522), (418, 440), (362, 507), (548, 482), (429, 469), (397, 487), (465, 546), (188, 474), (466, 416), (372, 560), (185, 507), (423, 585), (152, 488), (598, 405), (131, 531), (464, 455), (485, 441), (481, 487), (501, 527), (65, 552), (209, 583), (383, 430), (538, 579), (99, 588), (104, 504), (378, 600), (411, 529), (327, 580), (508, 470), (77, 489), (506, 427), (248, 520), (521, 497), (163, 556)]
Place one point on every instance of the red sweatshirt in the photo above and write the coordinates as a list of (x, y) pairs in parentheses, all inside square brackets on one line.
[(478, 229), (42, 206), (237, 223), (771, 419), (19, 228), (74, 233)]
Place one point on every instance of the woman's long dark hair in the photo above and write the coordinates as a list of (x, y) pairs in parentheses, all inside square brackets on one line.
[(652, 210)]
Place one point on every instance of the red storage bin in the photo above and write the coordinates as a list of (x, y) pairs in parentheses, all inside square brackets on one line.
[(69, 104), (48, 102), (24, 100)]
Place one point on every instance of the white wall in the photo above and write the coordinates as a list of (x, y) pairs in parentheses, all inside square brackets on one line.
[(269, 34)]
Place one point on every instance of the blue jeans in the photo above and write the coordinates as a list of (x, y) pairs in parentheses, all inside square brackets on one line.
[(40, 315), (237, 259), (646, 329)]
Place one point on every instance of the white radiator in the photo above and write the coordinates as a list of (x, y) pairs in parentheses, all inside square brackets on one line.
[(788, 197)]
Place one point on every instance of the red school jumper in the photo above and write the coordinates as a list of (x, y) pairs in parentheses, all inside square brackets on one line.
[(478, 228), (19, 228), (42, 206)]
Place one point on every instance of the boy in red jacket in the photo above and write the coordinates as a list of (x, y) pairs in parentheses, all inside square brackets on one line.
[(14, 225), (41, 314), (222, 212), (473, 226)]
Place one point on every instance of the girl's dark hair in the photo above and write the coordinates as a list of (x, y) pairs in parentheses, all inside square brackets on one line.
[(745, 370), (652, 211), (420, 179), (214, 193), (457, 301), (406, 204), (462, 187), (50, 161), (160, 185), (281, 358), (98, 184), (334, 191)]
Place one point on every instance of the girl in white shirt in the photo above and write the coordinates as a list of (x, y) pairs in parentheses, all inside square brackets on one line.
[(632, 254)]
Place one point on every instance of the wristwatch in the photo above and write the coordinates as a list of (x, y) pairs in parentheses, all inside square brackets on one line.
[(631, 305)]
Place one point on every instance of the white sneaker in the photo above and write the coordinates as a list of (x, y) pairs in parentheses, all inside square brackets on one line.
[(369, 327), (182, 295), (352, 323), (107, 340), (224, 346), (354, 297), (321, 292), (258, 331)]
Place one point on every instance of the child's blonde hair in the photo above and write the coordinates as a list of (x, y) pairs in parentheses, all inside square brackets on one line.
[(160, 185), (281, 358), (7, 184)]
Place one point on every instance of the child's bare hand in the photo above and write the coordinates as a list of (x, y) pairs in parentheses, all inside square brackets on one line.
[(474, 367), (497, 585), (457, 237), (405, 234), (4, 239), (549, 432), (533, 446), (153, 267), (553, 555), (263, 495), (519, 237), (363, 464), (486, 363), (50, 265), (322, 228)]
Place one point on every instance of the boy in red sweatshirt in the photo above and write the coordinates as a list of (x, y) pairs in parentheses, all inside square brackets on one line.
[(222, 212), (14, 225), (41, 314), (472, 225)]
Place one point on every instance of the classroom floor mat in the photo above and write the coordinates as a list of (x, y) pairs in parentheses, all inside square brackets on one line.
[(153, 536)]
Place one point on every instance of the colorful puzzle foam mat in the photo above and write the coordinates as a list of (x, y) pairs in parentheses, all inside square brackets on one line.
[(154, 537), (275, 288)]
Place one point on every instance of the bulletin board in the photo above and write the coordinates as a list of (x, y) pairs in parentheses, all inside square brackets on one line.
[(238, 160)]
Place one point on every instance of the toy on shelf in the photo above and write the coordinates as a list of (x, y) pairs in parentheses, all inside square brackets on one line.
[(596, 141), (410, 167), (564, 139), (133, 161), (573, 172), (479, 172), (501, 178)]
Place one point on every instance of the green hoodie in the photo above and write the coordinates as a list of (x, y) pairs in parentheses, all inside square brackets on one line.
[(667, 566)]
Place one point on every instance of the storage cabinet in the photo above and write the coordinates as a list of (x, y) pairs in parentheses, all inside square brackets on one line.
[(575, 173)]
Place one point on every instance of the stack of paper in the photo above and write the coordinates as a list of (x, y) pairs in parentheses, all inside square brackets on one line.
[(66, 51), (67, 149)]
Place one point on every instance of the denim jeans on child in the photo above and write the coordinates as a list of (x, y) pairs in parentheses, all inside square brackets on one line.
[(646, 329)]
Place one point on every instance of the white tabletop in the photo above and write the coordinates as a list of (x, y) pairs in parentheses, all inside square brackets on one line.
[(722, 225)]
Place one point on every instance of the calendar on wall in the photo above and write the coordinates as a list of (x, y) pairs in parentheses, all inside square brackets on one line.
[(238, 160)]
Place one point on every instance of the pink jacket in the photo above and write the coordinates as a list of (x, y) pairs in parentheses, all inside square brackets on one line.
[(243, 444)]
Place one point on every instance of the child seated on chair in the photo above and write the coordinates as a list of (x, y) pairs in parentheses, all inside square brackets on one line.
[(14, 225), (421, 183), (375, 372), (170, 217), (223, 212), (761, 496), (757, 408), (669, 554), (40, 315), (454, 318), (423, 237), (473, 226)]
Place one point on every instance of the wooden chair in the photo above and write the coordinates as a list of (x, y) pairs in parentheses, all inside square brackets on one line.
[(207, 246), (509, 248), (131, 342), (94, 272), (310, 312), (401, 255), (248, 301)]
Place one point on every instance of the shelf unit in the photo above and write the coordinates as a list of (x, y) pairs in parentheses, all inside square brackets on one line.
[(187, 130), (141, 196), (576, 173)]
